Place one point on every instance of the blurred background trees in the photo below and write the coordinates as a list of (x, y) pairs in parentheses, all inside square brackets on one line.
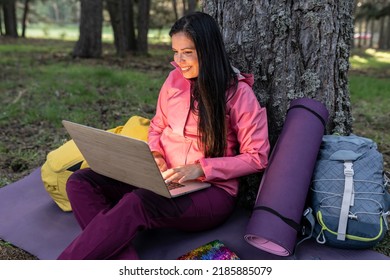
[(372, 24), (131, 20)]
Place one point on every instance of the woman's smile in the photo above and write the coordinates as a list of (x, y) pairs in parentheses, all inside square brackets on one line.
[(185, 55)]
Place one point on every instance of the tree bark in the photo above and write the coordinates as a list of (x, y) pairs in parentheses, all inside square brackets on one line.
[(381, 41), (129, 28), (191, 6), (360, 31), (24, 19), (10, 21), (372, 31), (115, 9), (143, 26), (184, 7), (174, 6), (56, 12), (387, 46), (1, 20), (89, 44), (294, 49)]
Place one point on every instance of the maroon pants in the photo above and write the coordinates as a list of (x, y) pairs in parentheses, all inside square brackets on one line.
[(111, 213)]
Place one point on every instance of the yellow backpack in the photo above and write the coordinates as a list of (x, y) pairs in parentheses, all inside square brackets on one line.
[(63, 161)]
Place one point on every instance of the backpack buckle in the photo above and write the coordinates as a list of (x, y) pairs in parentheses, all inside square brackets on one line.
[(348, 170)]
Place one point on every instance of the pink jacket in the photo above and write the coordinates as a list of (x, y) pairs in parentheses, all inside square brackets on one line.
[(173, 133)]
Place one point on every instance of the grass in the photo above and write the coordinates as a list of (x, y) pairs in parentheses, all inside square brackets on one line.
[(370, 59), (370, 95), (71, 33), (40, 84), (61, 93), (60, 88)]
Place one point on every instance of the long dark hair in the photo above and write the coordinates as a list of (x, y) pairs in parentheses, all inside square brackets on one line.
[(216, 76)]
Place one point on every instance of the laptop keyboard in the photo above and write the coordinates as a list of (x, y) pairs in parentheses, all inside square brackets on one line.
[(174, 185)]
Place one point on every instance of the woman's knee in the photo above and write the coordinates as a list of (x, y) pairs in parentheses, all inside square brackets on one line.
[(78, 180)]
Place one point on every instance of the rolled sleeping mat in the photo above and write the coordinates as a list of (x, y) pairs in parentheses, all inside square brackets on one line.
[(282, 194)]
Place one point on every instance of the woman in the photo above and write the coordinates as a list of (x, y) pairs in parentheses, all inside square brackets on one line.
[(208, 126)]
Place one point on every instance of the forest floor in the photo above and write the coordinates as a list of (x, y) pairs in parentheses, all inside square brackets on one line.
[(17, 136)]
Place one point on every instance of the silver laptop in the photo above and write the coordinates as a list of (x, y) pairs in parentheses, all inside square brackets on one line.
[(125, 159)]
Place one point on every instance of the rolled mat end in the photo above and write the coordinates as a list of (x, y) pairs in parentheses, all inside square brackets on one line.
[(270, 233), (267, 245)]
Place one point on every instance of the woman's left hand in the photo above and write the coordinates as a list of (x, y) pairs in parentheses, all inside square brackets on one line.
[(183, 173)]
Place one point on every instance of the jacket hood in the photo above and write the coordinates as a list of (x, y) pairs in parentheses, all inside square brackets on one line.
[(244, 77)]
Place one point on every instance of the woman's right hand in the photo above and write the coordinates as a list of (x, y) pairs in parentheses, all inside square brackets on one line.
[(160, 161)]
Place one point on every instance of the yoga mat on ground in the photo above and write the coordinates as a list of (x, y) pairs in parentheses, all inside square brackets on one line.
[(30, 220), (285, 183)]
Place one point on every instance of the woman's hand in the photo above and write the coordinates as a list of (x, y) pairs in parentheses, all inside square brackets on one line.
[(183, 173), (160, 161)]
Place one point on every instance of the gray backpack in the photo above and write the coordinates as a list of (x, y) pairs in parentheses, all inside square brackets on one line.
[(348, 194)]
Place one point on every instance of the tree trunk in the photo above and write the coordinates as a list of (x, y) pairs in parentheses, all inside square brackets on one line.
[(115, 9), (128, 16), (360, 32), (372, 31), (89, 44), (143, 26), (1, 20), (56, 12), (387, 46), (381, 40), (10, 21), (174, 6), (24, 20), (366, 31), (191, 6), (294, 49), (184, 2)]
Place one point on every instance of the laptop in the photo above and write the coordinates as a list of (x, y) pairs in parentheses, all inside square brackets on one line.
[(125, 159)]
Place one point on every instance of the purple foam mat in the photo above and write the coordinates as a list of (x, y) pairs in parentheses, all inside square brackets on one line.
[(30, 220), (286, 181)]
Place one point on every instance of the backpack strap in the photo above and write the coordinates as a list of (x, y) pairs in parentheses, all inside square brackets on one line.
[(307, 228), (308, 222), (288, 221), (348, 200)]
